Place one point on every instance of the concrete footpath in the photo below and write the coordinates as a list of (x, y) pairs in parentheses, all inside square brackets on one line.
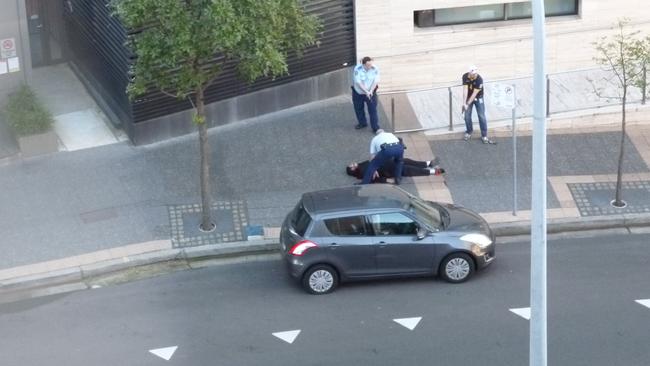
[(75, 215)]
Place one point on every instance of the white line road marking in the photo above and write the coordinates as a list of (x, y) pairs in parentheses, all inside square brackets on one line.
[(522, 312), (164, 353), (408, 323), (288, 336), (644, 302)]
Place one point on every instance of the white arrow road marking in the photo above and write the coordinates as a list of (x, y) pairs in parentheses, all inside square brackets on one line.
[(522, 312), (164, 353), (644, 302), (288, 336), (408, 323)]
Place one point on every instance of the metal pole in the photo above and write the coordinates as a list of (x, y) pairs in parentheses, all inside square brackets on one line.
[(538, 328), (392, 113), (548, 96), (451, 116), (514, 155)]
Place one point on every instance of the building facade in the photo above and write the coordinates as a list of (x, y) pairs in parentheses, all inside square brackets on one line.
[(425, 43), (86, 35), (416, 43)]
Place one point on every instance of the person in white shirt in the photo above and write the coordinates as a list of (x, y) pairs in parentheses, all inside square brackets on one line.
[(364, 92), (384, 147)]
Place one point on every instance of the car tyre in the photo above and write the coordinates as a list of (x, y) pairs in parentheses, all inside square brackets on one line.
[(320, 279), (456, 268)]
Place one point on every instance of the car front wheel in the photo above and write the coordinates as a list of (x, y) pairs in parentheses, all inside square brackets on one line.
[(320, 279), (457, 268)]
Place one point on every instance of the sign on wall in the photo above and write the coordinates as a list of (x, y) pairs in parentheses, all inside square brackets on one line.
[(7, 48), (502, 95), (9, 61)]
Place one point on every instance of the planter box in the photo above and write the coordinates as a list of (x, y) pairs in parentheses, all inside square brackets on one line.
[(33, 145)]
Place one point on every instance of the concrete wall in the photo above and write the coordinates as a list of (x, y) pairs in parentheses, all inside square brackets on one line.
[(245, 106), (13, 24), (411, 57)]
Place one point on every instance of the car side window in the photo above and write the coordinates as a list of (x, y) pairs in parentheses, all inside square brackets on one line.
[(393, 224), (346, 226)]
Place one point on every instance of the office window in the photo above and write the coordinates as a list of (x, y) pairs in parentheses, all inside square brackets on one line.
[(490, 13), (468, 14), (519, 10)]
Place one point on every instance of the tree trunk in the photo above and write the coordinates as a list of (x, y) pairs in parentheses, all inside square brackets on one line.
[(204, 147), (618, 202)]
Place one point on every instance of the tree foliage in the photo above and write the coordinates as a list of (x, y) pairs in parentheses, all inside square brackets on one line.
[(617, 54), (177, 42)]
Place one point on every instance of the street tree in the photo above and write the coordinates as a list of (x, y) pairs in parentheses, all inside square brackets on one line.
[(181, 47), (616, 54)]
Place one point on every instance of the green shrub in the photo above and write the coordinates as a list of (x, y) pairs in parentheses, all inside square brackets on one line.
[(25, 113)]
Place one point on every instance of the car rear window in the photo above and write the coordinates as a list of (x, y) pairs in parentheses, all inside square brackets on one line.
[(346, 226), (301, 220)]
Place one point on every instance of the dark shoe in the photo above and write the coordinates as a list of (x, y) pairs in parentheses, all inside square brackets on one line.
[(440, 171), (434, 162), (358, 127), (488, 141)]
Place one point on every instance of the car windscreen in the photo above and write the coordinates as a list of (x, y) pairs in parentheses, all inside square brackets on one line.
[(301, 220), (431, 215)]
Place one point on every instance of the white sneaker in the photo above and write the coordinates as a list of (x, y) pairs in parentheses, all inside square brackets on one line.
[(467, 137)]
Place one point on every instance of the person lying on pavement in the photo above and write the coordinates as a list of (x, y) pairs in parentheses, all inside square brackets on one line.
[(412, 168)]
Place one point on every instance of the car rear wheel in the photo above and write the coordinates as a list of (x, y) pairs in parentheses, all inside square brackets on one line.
[(457, 268), (320, 279)]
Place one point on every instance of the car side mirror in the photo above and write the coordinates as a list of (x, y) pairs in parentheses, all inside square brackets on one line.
[(422, 233)]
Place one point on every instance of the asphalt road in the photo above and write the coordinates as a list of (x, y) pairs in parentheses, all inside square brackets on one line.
[(226, 315)]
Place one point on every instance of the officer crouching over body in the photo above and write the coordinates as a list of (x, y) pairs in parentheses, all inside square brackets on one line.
[(383, 147)]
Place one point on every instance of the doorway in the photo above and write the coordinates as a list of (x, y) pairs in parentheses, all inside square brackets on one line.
[(46, 33)]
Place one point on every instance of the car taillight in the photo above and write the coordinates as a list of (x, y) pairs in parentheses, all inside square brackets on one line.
[(301, 247)]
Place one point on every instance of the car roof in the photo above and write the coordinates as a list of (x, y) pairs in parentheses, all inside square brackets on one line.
[(355, 198)]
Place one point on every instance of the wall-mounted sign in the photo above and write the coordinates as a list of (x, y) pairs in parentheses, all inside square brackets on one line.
[(503, 95), (13, 64), (7, 48)]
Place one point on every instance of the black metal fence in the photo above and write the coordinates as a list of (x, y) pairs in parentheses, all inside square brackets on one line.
[(96, 42)]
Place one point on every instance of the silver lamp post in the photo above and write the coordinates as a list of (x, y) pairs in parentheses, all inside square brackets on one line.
[(538, 341)]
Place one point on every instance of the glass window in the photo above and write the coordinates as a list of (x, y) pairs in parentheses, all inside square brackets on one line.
[(301, 220), (346, 226), (560, 7), (393, 224), (519, 10), (469, 14), (490, 13)]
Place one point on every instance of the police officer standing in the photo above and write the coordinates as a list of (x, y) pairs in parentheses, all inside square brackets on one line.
[(364, 92), (473, 96), (383, 147)]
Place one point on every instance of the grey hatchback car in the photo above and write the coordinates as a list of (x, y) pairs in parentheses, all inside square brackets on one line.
[(381, 231)]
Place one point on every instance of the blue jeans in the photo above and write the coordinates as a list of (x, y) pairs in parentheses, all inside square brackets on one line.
[(395, 152), (359, 100), (480, 110)]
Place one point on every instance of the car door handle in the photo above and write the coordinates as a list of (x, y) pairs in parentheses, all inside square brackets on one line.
[(334, 245)]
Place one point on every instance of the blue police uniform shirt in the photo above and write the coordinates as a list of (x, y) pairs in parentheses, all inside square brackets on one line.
[(382, 138), (365, 77)]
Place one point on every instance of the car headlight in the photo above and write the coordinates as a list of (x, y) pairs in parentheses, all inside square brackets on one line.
[(478, 239)]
